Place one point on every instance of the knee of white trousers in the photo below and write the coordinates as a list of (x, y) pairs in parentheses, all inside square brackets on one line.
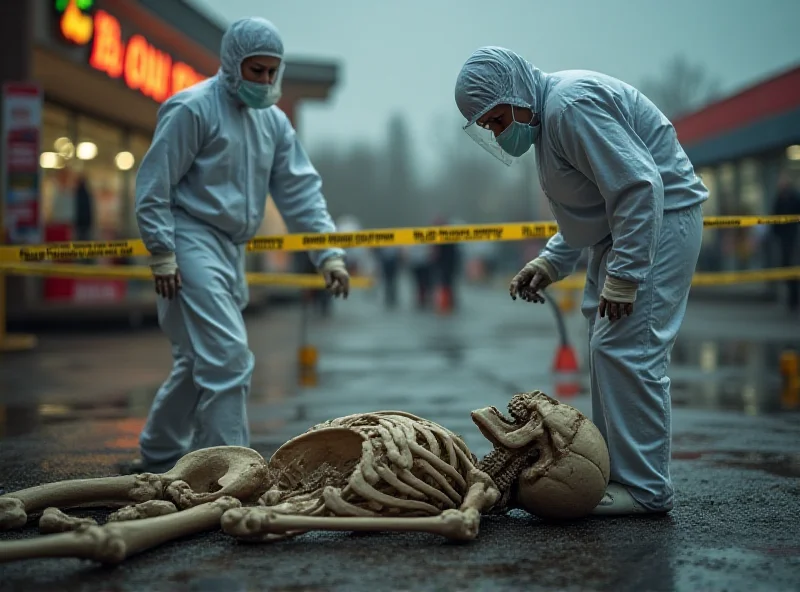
[(231, 367)]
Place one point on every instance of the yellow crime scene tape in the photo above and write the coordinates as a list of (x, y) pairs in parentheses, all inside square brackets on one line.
[(724, 278), (346, 240), (120, 272)]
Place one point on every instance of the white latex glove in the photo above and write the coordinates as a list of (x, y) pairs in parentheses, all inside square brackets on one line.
[(165, 272), (617, 298), (337, 280), (535, 276)]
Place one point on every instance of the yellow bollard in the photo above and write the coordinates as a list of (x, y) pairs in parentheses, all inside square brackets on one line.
[(308, 377), (8, 341), (307, 356), (565, 298), (790, 371)]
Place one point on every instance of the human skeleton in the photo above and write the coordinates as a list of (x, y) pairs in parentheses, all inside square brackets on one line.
[(379, 471)]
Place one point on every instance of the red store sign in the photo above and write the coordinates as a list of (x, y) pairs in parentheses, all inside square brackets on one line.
[(143, 67)]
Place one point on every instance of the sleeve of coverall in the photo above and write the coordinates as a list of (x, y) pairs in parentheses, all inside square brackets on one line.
[(561, 256), (598, 141), (296, 188), (175, 143)]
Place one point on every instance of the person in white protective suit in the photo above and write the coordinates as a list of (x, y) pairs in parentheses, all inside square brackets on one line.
[(220, 147), (619, 184)]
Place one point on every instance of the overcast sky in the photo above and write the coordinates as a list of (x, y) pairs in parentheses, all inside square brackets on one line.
[(403, 56)]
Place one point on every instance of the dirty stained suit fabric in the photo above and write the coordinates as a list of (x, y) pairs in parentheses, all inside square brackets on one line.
[(620, 185), (201, 194)]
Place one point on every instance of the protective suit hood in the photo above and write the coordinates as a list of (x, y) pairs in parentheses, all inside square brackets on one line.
[(245, 38), (493, 76)]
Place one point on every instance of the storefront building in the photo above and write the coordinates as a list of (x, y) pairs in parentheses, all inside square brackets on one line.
[(104, 67), (740, 146)]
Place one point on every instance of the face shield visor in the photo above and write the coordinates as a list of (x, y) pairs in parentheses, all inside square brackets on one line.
[(484, 137)]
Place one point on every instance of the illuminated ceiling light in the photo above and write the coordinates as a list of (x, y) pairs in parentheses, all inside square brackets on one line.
[(124, 161), (86, 150), (793, 152), (49, 160), (61, 142), (67, 150)]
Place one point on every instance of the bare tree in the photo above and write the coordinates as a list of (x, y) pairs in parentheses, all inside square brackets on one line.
[(681, 87)]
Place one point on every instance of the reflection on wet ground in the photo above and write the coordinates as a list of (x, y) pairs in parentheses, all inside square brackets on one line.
[(435, 366), (76, 406), (730, 375), (780, 464)]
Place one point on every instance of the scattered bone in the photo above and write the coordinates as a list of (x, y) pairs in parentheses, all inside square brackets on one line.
[(116, 541), (54, 520), (149, 509), (199, 477)]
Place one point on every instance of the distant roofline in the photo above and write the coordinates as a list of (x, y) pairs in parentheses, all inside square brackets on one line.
[(773, 95), (744, 89), (207, 31)]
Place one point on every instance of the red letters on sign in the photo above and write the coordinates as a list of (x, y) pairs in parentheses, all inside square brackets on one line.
[(107, 49), (143, 67)]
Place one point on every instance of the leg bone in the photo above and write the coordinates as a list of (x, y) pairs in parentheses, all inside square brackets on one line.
[(15, 507), (116, 541), (260, 523), (199, 477)]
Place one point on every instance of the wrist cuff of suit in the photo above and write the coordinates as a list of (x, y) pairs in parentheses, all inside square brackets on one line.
[(544, 266), (617, 290), (333, 263), (163, 264)]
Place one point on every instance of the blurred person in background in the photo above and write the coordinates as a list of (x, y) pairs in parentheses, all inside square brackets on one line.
[(220, 147), (420, 263), (356, 256), (619, 184), (84, 209), (320, 299), (787, 203), (389, 261), (447, 260)]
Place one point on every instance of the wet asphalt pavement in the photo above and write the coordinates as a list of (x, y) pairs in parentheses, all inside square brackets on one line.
[(73, 408)]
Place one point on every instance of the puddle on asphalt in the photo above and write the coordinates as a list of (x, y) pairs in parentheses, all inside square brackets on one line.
[(739, 376), (778, 464), (743, 376)]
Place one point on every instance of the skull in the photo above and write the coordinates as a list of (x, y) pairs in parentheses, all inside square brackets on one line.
[(554, 460)]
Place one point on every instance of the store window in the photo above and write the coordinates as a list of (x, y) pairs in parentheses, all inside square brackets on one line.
[(711, 205), (57, 182), (710, 253), (792, 163), (751, 187), (99, 156), (83, 164), (139, 145), (726, 189)]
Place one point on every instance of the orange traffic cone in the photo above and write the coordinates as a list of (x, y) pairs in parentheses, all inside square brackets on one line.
[(444, 300), (566, 359), (565, 367)]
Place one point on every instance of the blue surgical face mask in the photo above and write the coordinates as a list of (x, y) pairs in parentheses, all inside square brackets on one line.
[(518, 137), (258, 96)]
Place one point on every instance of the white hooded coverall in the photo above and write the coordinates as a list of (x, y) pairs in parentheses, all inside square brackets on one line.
[(201, 193), (620, 184)]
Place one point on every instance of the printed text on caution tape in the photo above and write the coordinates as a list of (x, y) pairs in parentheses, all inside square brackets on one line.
[(347, 240)]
